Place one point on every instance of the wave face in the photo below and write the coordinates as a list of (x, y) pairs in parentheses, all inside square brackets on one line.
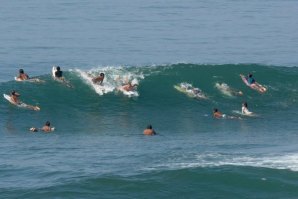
[(98, 147), (158, 103)]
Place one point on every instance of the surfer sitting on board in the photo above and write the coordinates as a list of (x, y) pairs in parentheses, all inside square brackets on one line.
[(245, 110), (46, 128), (22, 76), (149, 130), (99, 79)]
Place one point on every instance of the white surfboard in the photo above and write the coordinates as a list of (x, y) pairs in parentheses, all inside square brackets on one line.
[(133, 93), (190, 91), (33, 80), (33, 129), (21, 104), (54, 69), (248, 115)]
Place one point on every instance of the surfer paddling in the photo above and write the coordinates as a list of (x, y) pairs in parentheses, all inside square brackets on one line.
[(14, 96), (58, 75), (251, 82), (22, 75), (99, 79), (46, 128), (129, 86), (149, 130), (218, 115), (14, 99)]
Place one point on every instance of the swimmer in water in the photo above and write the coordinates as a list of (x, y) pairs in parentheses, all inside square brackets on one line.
[(149, 130)]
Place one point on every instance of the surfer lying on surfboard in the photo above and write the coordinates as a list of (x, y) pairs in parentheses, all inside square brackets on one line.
[(14, 99), (191, 91), (58, 75), (227, 90), (129, 87), (218, 115), (99, 79), (46, 128), (251, 82), (24, 77)]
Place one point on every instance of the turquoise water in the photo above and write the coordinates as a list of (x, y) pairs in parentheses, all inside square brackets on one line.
[(98, 150)]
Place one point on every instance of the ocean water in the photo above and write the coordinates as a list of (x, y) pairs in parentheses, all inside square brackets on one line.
[(98, 149)]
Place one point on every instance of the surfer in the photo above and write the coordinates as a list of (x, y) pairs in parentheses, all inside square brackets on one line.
[(227, 90), (46, 128), (22, 75), (129, 87), (58, 73), (99, 78), (245, 110), (14, 99), (14, 96), (218, 114), (253, 84), (149, 130)]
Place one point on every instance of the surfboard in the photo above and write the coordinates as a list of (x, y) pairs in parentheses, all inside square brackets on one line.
[(258, 87), (133, 93), (61, 79), (248, 115), (33, 129), (190, 91), (21, 104), (33, 80)]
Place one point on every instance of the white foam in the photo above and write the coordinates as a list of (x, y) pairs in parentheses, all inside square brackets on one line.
[(114, 78), (273, 161)]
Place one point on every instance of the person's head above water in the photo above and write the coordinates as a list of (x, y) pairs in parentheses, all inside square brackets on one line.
[(102, 74), (215, 110), (48, 123), (149, 126), (21, 71), (249, 75), (58, 68), (13, 92), (245, 104)]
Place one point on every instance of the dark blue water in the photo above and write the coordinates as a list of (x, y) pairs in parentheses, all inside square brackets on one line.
[(98, 150)]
